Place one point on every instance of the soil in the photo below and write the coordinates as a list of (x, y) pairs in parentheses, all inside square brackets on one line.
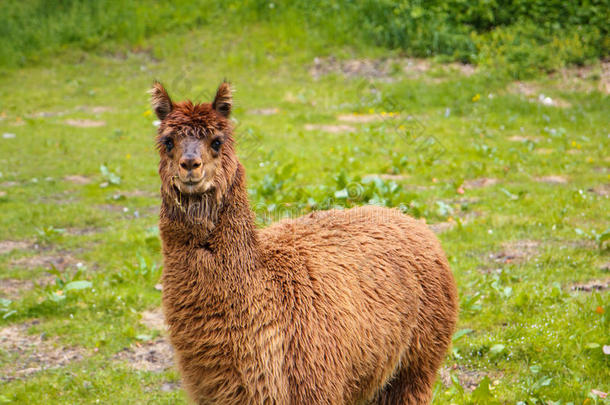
[(84, 123), (602, 190), (592, 285), (384, 69), (82, 231), (77, 179), (519, 138), (12, 288), (532, 93), (156, 355), (604, 83), (365, 118), (333, 129), (32, 353), (154, 319), (517, 251), (441, 227), (100, 109), (387, 177), (479, 183), (45, 261), (7, 246), (468, 379), (264, 111), (553, 179)]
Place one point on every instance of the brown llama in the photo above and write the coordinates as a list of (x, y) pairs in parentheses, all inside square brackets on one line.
[(350, 306)]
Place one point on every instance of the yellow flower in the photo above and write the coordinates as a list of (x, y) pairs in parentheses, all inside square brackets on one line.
[(476, 97), (147, 113), (128, 156)]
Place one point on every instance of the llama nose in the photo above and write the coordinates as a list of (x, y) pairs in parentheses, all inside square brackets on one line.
[(190, 162)]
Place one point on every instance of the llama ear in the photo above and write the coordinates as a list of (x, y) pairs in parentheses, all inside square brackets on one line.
[(160, 101), (223, 102)]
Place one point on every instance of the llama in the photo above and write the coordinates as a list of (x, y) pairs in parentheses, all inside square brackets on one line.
[(350, 306)]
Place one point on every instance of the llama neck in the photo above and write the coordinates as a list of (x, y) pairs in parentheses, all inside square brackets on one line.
[(217, 232)]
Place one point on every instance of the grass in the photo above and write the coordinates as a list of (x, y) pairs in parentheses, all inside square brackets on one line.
[(519, 37), (523, 335)]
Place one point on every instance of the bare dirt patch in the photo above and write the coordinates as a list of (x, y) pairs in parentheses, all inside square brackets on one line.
[(170, 386), (386, 177), (370, 68), (138, 193), (100, 109), (45, 261), (154, 319), (264, 111), (553, 179), (366, 118), (602, 190), (77, 179), (32, 353), (464, 217), (157, 355), (479, 183), (519, 138), (47, 114), (11, 288), (604, 83), (7, 246), (544, 151), (532, 93), (90, 230), (516, 251), (468, 379), (112, 208), (441, 227), (592, 285), (383, 69), (527, 89), (84, 123), (333, 129)]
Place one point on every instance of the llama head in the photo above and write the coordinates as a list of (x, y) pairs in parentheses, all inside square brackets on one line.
[(195, 143)]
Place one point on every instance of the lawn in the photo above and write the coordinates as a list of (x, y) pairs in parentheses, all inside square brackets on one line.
[(513, 176)]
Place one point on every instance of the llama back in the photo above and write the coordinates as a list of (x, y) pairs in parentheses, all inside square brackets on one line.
[(356, 289)]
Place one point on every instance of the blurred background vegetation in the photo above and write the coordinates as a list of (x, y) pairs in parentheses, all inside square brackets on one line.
[(517, 37)]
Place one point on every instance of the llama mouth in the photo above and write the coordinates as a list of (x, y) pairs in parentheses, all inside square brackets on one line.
[(192, 186), (191, 183)]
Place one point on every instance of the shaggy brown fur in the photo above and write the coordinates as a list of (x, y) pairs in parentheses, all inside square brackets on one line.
[(337, 307)]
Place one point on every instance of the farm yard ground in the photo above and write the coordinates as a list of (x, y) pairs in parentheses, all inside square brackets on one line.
[(513, 176)]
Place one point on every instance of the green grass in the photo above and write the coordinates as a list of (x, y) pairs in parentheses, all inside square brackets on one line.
[(522, 326), (519, 37)]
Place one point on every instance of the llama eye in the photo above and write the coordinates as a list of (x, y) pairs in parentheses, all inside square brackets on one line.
[(169, 144), (216, 145)]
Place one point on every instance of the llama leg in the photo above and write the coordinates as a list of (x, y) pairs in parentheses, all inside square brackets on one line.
[(412, 385)]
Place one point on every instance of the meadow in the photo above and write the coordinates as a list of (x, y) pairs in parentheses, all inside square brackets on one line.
[(511, 170)]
